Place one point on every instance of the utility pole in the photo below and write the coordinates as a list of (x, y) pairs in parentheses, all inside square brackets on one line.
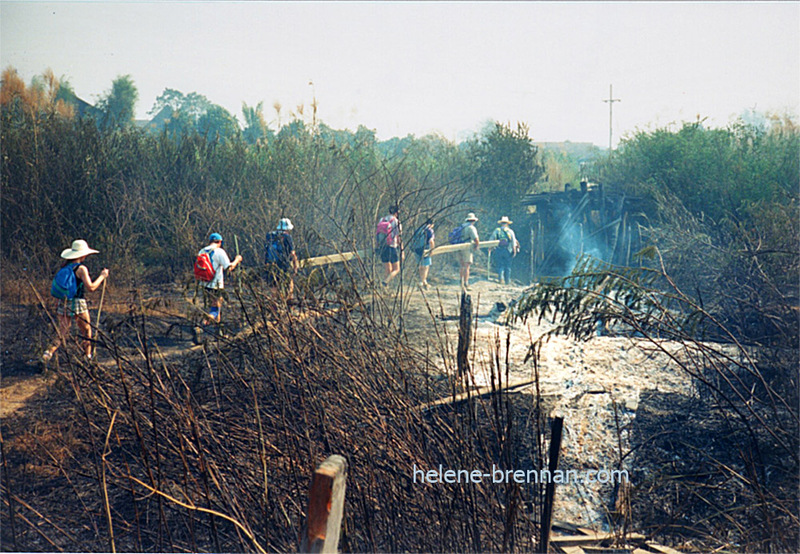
[(610, 103)]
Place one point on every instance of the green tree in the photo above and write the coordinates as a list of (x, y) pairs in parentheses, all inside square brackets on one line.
[(216, 123), (507, 167), (117, 106)]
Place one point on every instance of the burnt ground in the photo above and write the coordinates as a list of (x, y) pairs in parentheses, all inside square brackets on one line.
[(625, 405)]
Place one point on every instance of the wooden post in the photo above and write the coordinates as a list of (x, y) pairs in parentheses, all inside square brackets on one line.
[(550, 490), (464, 335), (325, 507)]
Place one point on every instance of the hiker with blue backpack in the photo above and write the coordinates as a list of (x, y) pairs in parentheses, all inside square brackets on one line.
[(466, 232), (389, 245), (209, 268), (422, 243), (506, 250), (70, 285), (280, 258)]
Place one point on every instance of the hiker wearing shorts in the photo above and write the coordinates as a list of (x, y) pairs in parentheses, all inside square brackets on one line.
[(392, 250), (280, 258), (505, 251), (76, 307), (214, 290), (424, 241), (468, 234)]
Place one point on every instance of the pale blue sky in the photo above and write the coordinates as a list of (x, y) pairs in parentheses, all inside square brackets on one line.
[(418, 68)]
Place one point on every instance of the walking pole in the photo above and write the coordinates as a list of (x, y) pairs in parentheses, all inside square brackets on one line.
[(99, 311), (238, 281), (238, 276), (489, 265)]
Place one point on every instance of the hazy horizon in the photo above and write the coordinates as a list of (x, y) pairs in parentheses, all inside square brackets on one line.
[(420, 68)]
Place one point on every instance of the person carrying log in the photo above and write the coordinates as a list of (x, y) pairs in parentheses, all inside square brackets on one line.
[(70, 285), (506, 250), (210, 266), (469, 233), (280, 258)]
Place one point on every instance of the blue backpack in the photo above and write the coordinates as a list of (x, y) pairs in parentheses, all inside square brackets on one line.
[(274, 250), (456, 235), (65, 283)]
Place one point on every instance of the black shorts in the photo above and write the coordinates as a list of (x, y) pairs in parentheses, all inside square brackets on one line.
[(274, 275), (389, 255), (210, 296)]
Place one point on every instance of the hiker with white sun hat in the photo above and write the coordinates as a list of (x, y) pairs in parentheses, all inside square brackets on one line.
[(469, 233), (70, 285), (506, 249)]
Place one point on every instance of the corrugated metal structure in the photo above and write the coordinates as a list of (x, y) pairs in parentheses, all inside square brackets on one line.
[(593, 220)]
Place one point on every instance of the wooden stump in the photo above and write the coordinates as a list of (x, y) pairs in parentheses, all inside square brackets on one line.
[(325, 507)]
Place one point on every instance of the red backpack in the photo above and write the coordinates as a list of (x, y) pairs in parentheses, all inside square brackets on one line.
[(203, 268), (383, 233)]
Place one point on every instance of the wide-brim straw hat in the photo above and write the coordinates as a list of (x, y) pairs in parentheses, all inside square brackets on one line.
[(505, 219), (79, 249), (471, 217), (285, 224)]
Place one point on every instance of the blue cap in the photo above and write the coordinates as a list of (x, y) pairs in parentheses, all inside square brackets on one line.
[(214, 237)]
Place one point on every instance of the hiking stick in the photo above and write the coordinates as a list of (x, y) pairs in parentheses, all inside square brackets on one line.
[(99, 311), (238, 278), (238, 275)]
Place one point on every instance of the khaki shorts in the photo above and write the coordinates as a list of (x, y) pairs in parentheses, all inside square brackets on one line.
[(72, 307), (465, 256)]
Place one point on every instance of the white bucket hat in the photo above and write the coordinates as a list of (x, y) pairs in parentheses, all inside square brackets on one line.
[(285, 224), (471, 217), (505, 219), (79, 249)]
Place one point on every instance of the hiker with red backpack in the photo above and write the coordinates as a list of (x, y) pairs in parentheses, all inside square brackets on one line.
[(389, 244), (210, 266), (280, 258), (69, 285), (506, 250)]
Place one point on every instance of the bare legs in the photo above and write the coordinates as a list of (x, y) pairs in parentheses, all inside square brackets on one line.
[(64, 324), (423, 275), (392, 270), (465, 275)]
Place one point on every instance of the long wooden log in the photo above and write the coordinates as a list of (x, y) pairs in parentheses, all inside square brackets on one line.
[(476, 393), (456, 247), (333, 258), (347, 256)]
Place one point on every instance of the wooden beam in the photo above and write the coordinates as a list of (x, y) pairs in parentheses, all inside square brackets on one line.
[(364, 254), (477, 393), (585, 540), (325, 507), (333, 258), (447, 248)]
